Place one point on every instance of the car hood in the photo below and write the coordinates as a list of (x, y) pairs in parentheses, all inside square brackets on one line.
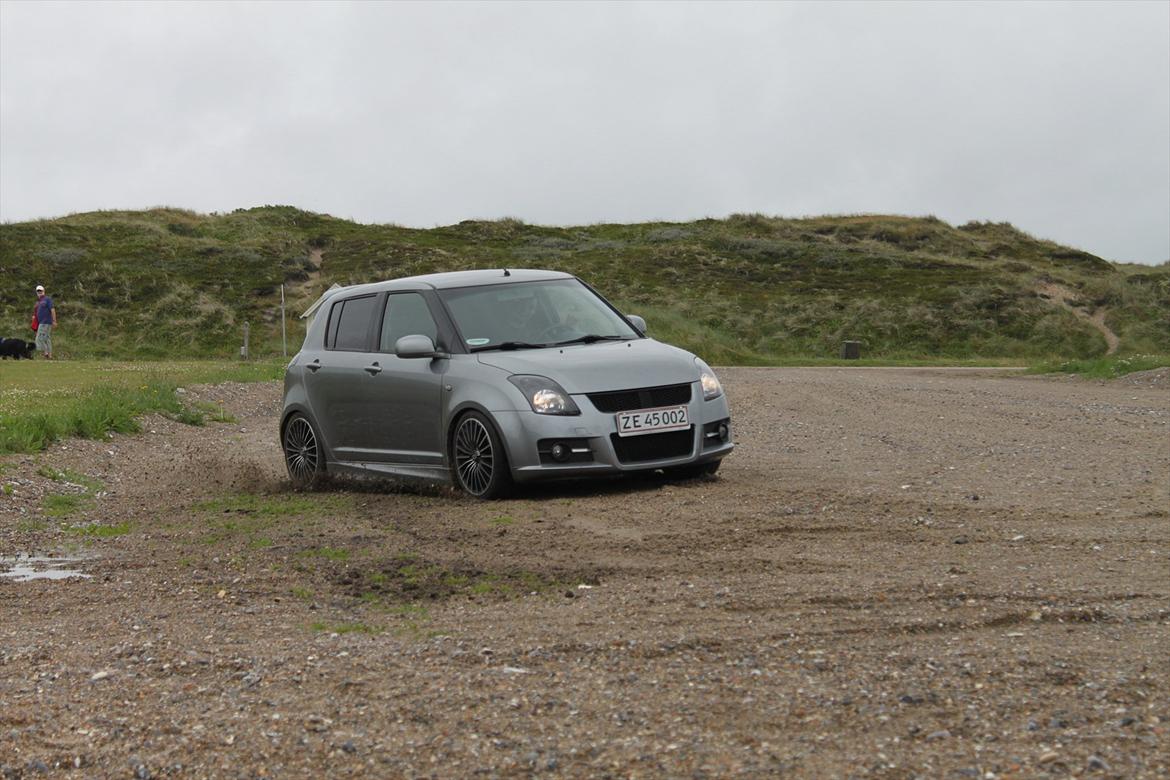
[(606, 365)]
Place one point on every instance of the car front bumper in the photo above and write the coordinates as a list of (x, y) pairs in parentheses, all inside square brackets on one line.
[(528, 438)]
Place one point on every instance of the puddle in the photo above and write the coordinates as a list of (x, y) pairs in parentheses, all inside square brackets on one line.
[(22, 568)]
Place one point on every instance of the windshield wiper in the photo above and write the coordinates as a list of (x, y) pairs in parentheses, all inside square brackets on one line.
[(591, 338), (510, 345)]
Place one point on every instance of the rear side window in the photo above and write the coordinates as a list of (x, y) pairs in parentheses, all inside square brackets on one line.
[(407, 314), (349, 324)]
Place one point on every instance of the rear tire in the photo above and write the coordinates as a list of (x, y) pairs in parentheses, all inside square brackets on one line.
[(302, 452), (479, 465)]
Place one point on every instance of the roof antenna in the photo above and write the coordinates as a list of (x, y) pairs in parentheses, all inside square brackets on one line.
[(506, 272)]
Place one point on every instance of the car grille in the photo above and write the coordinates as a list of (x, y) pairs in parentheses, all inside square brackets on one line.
[(645, 398), (654, 446)]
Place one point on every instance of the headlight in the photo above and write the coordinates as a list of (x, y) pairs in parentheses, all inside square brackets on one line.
[(710, 383), (544, 395)]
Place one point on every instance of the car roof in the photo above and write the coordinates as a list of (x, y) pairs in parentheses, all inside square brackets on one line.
[(452, 279)]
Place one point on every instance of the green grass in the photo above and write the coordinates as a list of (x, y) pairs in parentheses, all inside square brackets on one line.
[(1103, 368), (268, 506), (213, 412), (414, 611), (747, 289), (64, 504), (328, 553), (60, 505), (43, 402), (72, 477), (100, 531), (247, 517)]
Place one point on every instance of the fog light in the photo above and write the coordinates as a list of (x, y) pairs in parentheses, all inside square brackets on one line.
[(724, 432), (560, 452)]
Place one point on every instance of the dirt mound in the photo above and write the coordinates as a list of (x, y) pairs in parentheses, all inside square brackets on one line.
[(1155, 377)]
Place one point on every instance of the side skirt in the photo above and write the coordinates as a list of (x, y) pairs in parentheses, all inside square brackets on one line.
[(407, 470)]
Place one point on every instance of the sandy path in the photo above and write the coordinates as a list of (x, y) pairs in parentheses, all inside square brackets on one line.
[(1063, 296)]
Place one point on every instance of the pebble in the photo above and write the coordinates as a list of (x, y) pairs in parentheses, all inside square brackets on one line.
[(1097, 764), (940, 734)]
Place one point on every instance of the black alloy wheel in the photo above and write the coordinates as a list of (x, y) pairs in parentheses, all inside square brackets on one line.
[(480, 465), (302, 453)]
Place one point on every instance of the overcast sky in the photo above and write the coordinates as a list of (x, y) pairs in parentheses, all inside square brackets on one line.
[(1053, 116)]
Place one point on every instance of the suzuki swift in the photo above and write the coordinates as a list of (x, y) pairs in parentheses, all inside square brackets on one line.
[(489, 378)]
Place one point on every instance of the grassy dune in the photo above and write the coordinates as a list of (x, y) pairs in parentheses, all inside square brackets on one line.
[(749, 289)]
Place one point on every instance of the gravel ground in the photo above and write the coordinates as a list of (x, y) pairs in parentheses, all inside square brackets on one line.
[(914, 573)]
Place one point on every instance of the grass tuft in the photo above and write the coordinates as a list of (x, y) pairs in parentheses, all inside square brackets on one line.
[(46, 402), (1103, 368), (100, 531)]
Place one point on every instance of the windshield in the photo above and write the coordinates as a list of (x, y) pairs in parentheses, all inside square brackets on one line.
[(532, 314)]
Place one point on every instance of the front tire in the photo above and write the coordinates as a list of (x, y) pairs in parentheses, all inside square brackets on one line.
[(302, 452), (478, 460)]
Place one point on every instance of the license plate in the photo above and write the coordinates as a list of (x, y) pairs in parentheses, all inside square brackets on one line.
[(664, 418)]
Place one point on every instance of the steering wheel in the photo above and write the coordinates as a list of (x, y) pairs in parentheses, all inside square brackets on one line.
[(558, 331)]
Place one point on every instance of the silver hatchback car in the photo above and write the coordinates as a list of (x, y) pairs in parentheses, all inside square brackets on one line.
[(487, 378)]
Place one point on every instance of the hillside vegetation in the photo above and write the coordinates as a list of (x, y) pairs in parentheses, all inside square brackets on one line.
[(747, 289)]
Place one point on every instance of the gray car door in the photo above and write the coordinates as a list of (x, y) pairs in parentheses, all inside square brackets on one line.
[(407, 391), (337, 378)]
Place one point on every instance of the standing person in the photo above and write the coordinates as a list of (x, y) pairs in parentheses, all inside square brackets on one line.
[(47, 320)]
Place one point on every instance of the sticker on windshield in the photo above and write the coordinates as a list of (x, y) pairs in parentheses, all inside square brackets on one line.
[(478, 342)]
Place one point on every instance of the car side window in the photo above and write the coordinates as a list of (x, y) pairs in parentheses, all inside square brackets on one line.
[(331, 328), (349, 323), (407, 314)]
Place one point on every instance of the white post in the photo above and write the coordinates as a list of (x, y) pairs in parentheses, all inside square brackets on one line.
[(283, 336)]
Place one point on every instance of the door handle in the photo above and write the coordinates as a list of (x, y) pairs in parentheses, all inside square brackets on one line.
[(314, 366), (374, 369)]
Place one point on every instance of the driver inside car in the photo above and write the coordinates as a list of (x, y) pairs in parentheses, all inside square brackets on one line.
[(520, 320)]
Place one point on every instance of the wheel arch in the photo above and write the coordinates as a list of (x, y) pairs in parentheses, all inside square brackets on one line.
[(294, 409), (456, 415)]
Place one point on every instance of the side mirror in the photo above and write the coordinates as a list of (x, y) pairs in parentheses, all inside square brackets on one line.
[(637, 322), (417, 347)]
